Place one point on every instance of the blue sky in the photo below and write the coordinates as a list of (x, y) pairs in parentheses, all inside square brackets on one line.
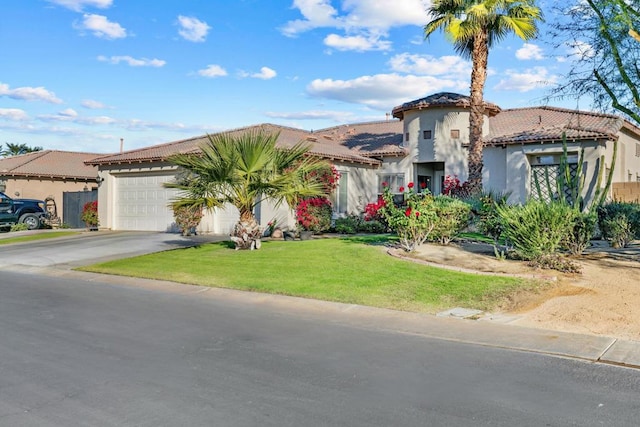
[(81, 74)]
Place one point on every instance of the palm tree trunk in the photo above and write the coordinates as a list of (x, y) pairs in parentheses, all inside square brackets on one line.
[(246, 233), (479, 56)]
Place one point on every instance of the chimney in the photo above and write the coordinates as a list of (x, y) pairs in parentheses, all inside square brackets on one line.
[(121, 144)]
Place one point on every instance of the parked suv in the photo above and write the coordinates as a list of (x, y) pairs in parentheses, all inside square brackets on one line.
[(27, 211)]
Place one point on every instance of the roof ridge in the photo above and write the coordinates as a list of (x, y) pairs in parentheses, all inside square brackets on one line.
[(32, 156), (373, 122), (563, 110)]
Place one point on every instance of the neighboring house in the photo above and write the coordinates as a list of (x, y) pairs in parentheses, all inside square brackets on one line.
[(429, 142), (48, 174)]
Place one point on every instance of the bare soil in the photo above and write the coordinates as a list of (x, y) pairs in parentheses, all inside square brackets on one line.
[(603, 300)]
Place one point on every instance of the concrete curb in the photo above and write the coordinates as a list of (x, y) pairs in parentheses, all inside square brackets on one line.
[(592, 348)]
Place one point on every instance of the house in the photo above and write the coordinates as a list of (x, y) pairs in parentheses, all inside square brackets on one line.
[(49, 174), (428, 142)]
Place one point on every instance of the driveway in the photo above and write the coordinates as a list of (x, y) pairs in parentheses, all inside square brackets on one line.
[(91, 247)]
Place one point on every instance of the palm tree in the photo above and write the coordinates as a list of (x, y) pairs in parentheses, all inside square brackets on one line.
[(474, 26), (243, 170), (17, 149)]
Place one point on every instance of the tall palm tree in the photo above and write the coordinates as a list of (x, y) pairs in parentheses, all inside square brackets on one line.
[(474, 26), (242, 170), (17, 149)]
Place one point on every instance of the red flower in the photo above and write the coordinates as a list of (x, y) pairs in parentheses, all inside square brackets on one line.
[(385, 184), (417, 214), (401, 189), (423, 185), (408, 212), (410, 185)]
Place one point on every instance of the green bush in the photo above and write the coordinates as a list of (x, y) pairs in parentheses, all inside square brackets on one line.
[(619, 222), (578, 237), (451, 217), (373, 227), (536, 229), (489, 222), (347, 225), (19, 227)]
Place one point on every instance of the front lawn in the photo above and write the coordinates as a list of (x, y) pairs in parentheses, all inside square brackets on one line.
[(349, 270)]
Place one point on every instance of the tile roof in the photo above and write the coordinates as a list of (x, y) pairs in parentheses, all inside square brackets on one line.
[(370, 139), (328, 143), (49, 164), (441, 100), (536, 124)]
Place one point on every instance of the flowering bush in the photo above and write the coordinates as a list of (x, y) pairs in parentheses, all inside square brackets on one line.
[(329, 177), (372, 210), (314, 214), (452, 187), (90, 213), (187, 218), (413, 220)]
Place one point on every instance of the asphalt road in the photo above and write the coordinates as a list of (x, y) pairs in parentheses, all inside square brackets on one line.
[(86, 353)]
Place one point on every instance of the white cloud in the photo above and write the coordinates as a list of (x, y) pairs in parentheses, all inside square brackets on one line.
[(69, 112), (101, 27), (312, 115), (449, 65), (192, 29), (580, 50), (529, 51), (357, 43), (93, 105), (381, 91), (14, 114), (133, 62), (28, 93), (265, 73), (78, 5), (213, 70), (365, 22), (359, 14), (317, 13), (535, 78)]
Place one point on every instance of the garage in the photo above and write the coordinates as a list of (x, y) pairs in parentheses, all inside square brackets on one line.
[(142, 203)]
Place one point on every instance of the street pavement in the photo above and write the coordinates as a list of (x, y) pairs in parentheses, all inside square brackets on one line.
[(81, 351), (55, 257)]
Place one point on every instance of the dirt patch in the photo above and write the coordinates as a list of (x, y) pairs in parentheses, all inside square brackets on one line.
[(603, 300)]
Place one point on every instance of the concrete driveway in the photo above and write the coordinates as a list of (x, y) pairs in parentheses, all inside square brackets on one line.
[(91, 247)]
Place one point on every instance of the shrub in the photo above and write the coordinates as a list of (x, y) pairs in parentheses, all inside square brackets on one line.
[(451, 217), (314, 214), (536, 229), (580, 234), (347, 225), (619, 222), (452, 187), (372, 226), (489, 222), (90, 213), (413, 219), (187, 218), (19, 227)]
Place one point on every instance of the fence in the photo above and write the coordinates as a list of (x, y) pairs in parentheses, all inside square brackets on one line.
[(73, 202), (626, 191)]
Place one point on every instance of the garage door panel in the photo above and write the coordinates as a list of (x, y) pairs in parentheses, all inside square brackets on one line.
[(143, 203)]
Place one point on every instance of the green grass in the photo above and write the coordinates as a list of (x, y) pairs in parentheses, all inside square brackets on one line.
[(352, 270), (38, 236)]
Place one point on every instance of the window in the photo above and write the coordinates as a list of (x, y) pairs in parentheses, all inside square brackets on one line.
[(393, 181), (455, 133), (340, 195), (426, 134), (406, 136)]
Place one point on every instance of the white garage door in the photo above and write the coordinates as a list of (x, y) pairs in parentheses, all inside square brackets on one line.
[(142, 203)]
